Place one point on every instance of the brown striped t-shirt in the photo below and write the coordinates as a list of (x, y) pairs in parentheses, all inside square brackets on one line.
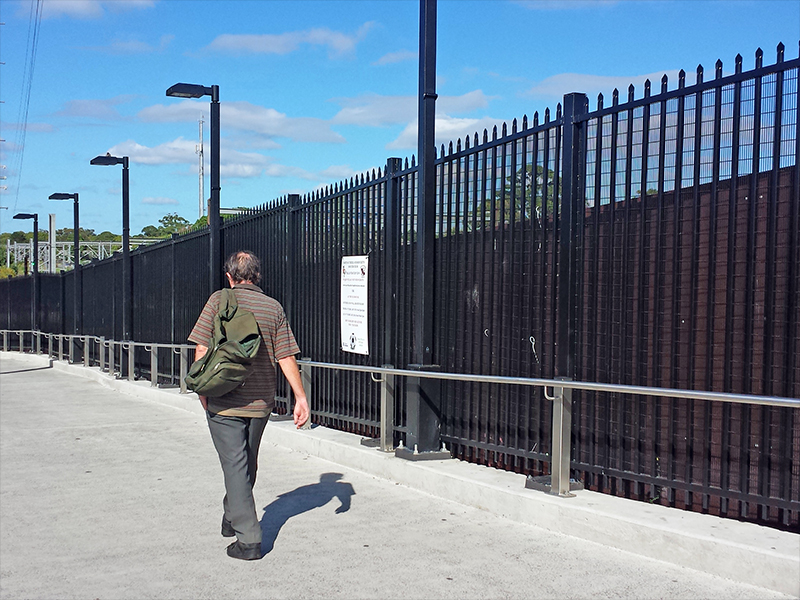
[(256, 397)]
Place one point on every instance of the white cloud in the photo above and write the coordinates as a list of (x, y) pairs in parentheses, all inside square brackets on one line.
[(337, 172), (234, 163), (90, 9), (373, 110), (337, 43), (179, 151), (94, 109), (246, 117), (564, 5), (159, 200), (132, 46), (396, 57), (31, 127), (447, 129), (564, 83)]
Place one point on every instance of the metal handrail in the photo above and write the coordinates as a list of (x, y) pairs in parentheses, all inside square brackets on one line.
[(561, 397), (106, 346), (559, 482), (570, 384)]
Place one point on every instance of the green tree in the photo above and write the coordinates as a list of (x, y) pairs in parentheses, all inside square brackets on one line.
[(524, 194), (107, 236), (168, 224)]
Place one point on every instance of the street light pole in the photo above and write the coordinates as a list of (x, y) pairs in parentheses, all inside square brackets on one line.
[(190, 90), (76, 259), (35, 299), (214, 218), (127, 279)]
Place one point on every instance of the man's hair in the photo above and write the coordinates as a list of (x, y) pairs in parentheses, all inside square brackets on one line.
[(244, 265)]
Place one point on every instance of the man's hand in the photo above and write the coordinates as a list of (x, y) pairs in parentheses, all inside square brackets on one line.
[(301, 412), (292, 373)]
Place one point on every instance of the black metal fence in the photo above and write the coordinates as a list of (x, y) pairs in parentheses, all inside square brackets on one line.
[(677, 218)]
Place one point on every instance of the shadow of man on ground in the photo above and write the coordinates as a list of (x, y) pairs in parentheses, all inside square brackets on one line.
[(300, 500)]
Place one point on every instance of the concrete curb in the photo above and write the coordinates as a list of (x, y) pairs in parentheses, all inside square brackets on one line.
[(742, 552)]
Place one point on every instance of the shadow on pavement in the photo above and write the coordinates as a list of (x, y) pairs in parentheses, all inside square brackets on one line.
[(300, 500), (50, 366)]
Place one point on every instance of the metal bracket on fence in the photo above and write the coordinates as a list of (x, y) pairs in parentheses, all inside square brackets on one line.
[(305, 379), (376, 379), (558, 482)]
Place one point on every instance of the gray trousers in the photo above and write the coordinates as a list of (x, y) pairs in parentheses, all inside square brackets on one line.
[(237, 440)]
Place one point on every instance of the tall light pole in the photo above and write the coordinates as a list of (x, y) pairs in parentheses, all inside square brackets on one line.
[(35, 299), (76, 260), (424, 395), (127, 279), (189, 90)]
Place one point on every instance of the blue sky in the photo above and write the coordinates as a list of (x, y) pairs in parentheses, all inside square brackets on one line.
[(312, 92)]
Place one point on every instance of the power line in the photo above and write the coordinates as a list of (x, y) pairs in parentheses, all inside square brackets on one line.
[(34, 24)]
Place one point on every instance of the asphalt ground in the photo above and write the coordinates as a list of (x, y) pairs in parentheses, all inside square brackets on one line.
[(109, 495)]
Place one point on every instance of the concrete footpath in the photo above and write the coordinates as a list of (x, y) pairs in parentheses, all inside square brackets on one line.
[(112, 489)]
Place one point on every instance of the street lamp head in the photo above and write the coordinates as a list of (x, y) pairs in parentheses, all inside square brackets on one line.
[(107, 159), (191, 90), (188, 90), (59, 196), (26, 216)]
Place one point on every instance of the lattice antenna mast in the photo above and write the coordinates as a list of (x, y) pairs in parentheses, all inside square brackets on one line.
[(199, 150)]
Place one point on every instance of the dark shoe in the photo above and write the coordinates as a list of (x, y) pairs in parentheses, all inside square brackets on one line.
[(245, 551), (227, 528)]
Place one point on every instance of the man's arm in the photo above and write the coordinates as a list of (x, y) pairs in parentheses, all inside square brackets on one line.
[(200, 352), (292, 374)]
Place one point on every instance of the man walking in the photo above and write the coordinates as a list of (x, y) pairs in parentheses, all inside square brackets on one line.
[(237, 419)]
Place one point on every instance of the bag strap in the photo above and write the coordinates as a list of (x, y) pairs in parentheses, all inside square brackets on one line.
[(227, 304)]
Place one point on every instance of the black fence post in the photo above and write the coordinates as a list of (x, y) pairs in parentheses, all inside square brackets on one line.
[(290, 253), (63, 303), (572, 201), (390, 237)]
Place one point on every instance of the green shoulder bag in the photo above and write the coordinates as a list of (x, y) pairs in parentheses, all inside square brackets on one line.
[(229, 360)]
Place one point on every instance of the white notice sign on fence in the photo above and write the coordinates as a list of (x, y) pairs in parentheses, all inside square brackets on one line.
[(355, 331)]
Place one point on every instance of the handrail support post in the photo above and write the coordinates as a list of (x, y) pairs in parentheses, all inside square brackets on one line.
[(561, 435), (131, 360), (387, 411), (184, 368), (154, 366), (305, 379)]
